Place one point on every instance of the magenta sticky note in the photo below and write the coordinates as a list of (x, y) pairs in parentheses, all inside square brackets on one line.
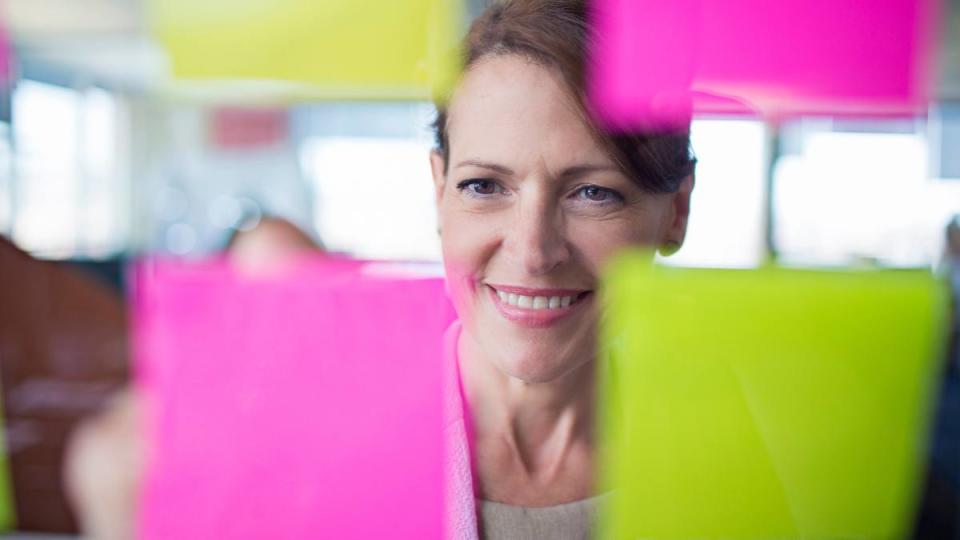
[(5, 52), (655, 63), (300, 405)]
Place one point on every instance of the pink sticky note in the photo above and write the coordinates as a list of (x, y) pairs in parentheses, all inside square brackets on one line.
[(5, 52), (657, 62), (306, 405)]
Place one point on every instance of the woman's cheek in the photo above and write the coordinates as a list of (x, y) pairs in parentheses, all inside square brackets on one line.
[(461, 264), (600, 242), (460, 286), (472, 241)]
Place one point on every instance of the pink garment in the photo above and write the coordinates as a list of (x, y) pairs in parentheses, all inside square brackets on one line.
[(461, 506)]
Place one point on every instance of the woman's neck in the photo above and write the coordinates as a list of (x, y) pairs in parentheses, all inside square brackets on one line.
[(542, 424)]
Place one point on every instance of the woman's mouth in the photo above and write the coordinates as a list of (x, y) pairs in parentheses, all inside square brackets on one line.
[(536, 308)]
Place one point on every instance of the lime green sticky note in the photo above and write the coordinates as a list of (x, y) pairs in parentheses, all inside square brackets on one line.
[(7, 510), (768, 403), (341, 49)]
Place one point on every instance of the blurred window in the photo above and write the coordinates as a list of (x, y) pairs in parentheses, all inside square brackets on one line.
[(67, 197), (860, 196), (374, 196), (726, 209)]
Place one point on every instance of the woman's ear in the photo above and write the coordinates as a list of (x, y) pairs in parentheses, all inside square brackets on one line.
[(437, 167), (676, 229)]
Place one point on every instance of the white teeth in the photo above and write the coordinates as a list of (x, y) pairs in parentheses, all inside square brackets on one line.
[(535, 302)]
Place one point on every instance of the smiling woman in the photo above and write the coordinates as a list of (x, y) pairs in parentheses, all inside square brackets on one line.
[(533, 199)]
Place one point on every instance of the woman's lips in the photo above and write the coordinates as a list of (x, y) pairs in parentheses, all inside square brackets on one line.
[(536, 308)]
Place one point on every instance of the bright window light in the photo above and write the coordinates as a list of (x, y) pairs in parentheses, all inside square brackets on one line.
[(726, 210), (374, 196), (67, 195), (853, 198)]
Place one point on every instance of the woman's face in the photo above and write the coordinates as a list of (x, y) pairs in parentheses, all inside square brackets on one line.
[(530, 209)]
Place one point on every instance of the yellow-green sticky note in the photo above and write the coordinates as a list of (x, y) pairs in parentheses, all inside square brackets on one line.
[(341, 49), (8, 516), (768, 403)]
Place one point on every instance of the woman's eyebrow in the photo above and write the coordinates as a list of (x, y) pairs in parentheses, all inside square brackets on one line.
[(583, 170), (486, 165), (569, 172)]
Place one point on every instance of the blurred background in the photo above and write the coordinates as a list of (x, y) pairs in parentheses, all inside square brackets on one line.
[(104, 155)]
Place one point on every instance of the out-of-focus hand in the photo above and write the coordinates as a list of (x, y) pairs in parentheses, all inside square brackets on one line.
[(270, 247), (103, 470)]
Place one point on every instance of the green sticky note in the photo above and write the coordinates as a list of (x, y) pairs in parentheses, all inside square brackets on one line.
[(7, 510), (338, 49), (768, 403)]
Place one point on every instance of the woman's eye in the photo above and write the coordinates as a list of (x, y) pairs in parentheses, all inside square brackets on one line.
[(599, 194), (478, 186)]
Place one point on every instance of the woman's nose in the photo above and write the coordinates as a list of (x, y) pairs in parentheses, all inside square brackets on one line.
[(537, 238)]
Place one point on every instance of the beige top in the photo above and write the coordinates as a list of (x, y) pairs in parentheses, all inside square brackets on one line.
[(570, 521)]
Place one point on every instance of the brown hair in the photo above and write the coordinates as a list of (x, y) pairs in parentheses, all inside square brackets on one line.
[(556, 34)]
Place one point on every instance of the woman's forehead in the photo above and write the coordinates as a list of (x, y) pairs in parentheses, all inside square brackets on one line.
[(508, 105)]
